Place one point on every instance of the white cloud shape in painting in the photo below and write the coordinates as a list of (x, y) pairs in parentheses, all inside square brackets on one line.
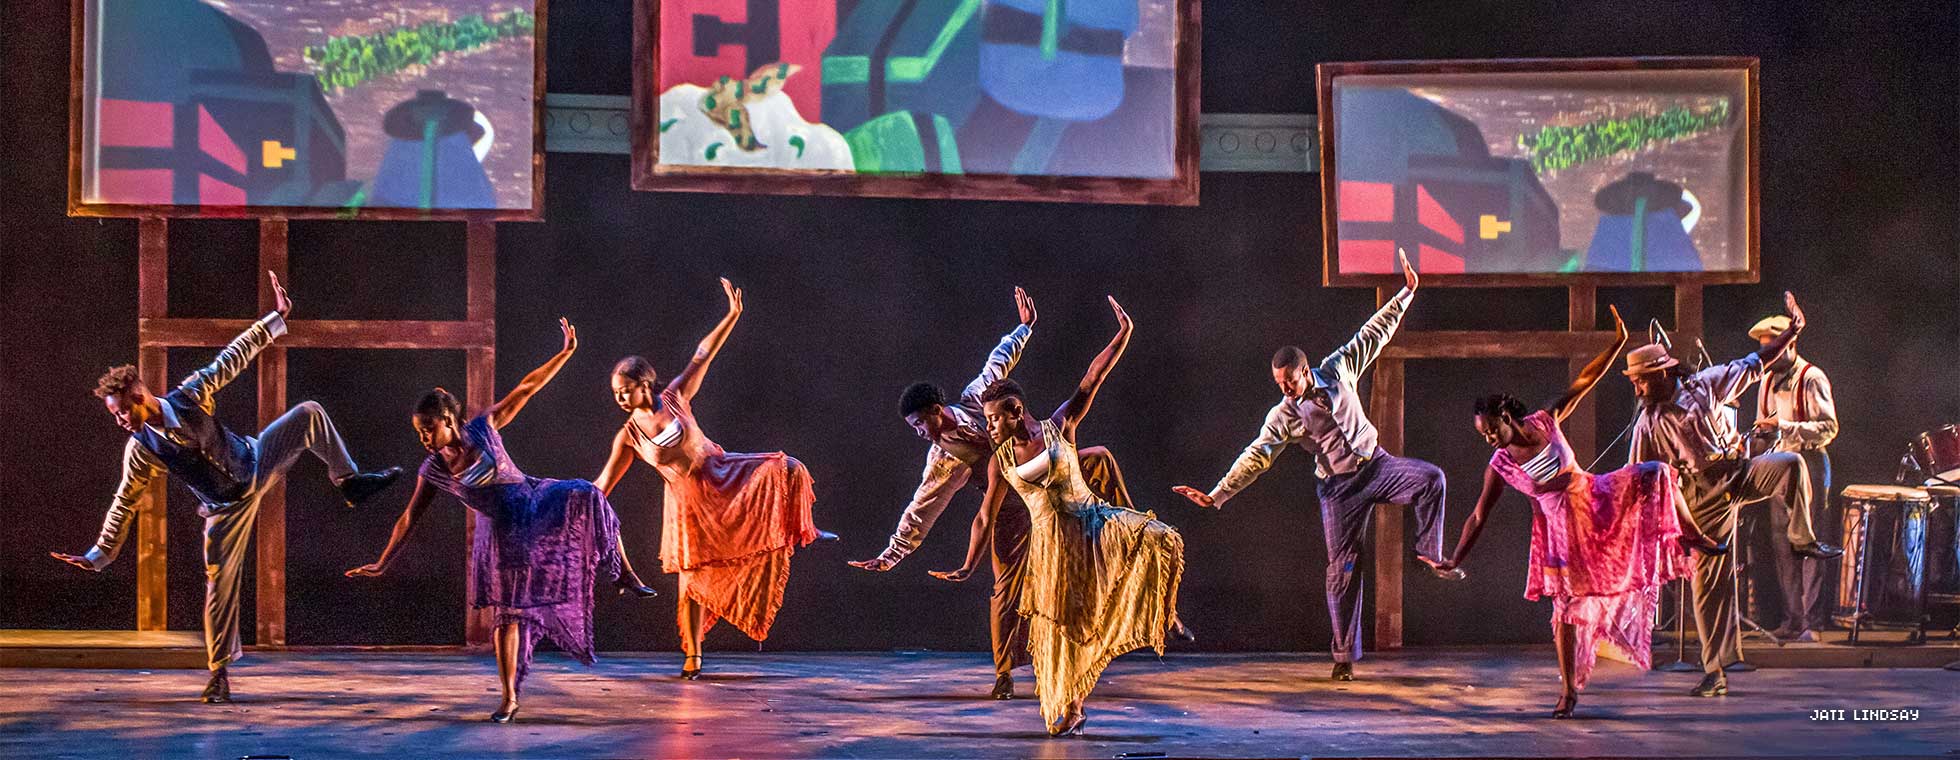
[(688, 133)]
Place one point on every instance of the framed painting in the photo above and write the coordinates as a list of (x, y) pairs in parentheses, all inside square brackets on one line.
[(363, 109), (1051, 100), (1619, 171)]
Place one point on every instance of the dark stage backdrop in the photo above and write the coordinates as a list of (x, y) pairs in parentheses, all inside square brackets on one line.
[(849, 300)]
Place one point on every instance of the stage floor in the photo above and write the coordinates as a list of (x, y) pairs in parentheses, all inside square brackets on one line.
[(1414, 703)]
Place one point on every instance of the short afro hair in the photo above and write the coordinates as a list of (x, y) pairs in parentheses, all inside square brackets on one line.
[(1290, 357), (117, 381), (1000, 389), (917, 397), (1500, 405)]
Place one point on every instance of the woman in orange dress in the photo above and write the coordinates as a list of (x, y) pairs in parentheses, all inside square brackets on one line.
[(731, 521)]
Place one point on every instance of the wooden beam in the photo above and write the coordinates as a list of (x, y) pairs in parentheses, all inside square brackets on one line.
[(1582, 425), (321, 333), (1687, 320), (479, 390), (1385, 408), (152, 534), (1473, 344), (270, 570)]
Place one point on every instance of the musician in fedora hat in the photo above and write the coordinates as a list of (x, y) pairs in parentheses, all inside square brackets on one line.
[(1680, 422), (1795, 408)]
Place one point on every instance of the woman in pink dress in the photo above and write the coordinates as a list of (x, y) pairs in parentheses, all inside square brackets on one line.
[(1601, 545), (731, 521)]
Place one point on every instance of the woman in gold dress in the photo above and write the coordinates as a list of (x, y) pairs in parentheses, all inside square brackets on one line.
[(1101, 580)]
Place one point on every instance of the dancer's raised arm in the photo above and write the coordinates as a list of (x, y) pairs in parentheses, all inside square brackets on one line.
[(504, 411), (418, 503), (1353, 358), (1073, 410), (689, 379), (983, 526), (1590, 376), (1775, 347)]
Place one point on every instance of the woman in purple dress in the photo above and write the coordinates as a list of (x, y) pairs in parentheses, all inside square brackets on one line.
[(547, 542), (1601, 545)]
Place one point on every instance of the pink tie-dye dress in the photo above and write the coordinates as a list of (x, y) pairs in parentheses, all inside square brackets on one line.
[(1601, 547)]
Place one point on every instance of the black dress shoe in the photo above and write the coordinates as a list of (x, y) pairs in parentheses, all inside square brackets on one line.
[(1566, 704), (218, 690), (824, 536), (629, 582), (1343, 671), (1181, 633), (1817, 551), (694, 673), (1712, 685), (1003, 686), (357, 488), (504, 716)]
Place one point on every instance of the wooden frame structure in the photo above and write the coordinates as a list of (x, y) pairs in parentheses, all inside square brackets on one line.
[(157, 332), (77, 118), (650, 174), (1752, 191)]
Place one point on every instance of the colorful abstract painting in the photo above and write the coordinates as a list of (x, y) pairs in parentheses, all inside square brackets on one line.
[(303, 108), (1551, 171), (891, 88)]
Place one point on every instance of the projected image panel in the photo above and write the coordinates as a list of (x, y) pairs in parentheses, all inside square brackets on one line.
[(1505, 171), (1090, 100), (358, 108)]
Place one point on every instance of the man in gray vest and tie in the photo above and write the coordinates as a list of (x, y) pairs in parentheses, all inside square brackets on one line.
[(179, 433)]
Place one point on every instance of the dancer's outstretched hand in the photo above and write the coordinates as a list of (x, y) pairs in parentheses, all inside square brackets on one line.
[(371, 570), (571, 334), (1196, 496), (78, 561), (1025, 304), (1122, 317), (1795, 313), (956, 576), (875, 564), (280, 301), (1408, 270), (1619, 325), (734, 296)]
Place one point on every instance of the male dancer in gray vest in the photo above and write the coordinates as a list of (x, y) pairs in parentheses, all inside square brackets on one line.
[(179, 433), (958, 434), (1321, 411)]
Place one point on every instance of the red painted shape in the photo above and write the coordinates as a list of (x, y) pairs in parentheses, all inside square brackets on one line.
[(1431, 260), (214, 192), (1430, 214), (806, 28), (212, 139), (1366, 201), (1368, 256), (678, 63), (132, 124), (132, 186)]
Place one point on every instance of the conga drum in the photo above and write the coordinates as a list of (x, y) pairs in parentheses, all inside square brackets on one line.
[(1885, 541), (1943, 551)]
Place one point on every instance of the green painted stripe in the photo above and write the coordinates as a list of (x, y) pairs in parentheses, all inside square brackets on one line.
[(913, 68), (949, 146), (847, 69)]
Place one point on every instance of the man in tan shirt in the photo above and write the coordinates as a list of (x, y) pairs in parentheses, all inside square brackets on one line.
[(1794, 406)]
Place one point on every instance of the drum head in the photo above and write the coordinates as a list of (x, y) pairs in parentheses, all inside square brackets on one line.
[(1884, 493)]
